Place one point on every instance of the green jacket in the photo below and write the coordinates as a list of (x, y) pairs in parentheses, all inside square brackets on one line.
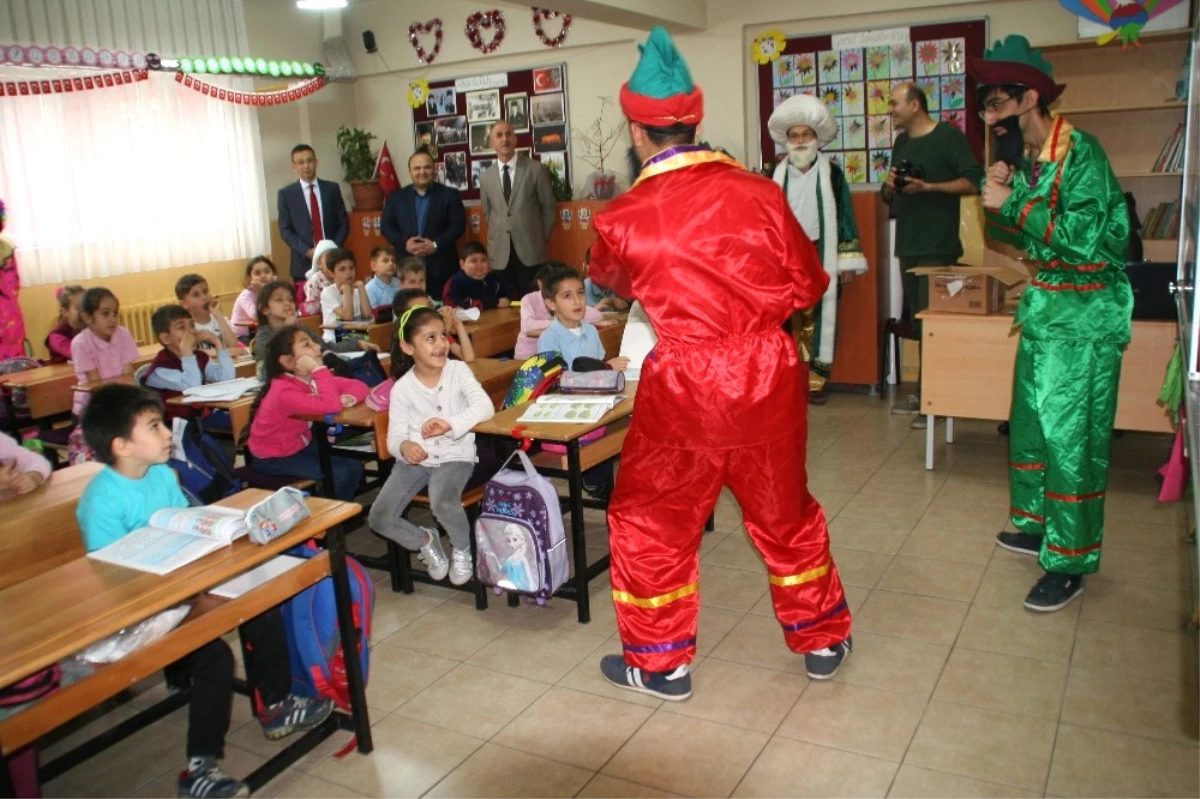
[(1074, 224)]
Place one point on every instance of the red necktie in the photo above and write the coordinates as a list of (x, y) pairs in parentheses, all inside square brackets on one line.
[(314, 209)]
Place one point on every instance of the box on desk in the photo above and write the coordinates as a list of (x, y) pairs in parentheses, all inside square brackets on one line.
[(975, 289)]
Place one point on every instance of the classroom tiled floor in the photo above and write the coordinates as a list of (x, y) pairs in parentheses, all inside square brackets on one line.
[(953, 689)]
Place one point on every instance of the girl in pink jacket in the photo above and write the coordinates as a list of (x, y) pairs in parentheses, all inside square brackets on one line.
[(296, 383)]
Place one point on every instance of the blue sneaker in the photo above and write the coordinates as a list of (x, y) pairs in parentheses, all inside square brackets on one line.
[(673, 686), (294, 714), (823, 664), (204, 780)]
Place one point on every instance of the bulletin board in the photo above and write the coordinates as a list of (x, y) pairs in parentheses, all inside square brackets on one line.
[(458, 114), (856, 80)]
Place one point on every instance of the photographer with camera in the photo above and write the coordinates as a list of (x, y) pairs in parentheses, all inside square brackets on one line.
[(932, 166)]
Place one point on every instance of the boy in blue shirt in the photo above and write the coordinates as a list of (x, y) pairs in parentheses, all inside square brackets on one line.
[(573, 338), (181, 363), (382, 288), (124, 426), (475, 286)]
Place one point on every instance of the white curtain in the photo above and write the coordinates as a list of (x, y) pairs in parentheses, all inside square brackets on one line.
[(131, 178)]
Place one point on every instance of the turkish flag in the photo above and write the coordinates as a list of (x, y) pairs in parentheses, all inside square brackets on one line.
[(385, 170)]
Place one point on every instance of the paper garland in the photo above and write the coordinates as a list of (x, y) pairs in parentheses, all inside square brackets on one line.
[(250, 98), (26, 88), (433, 26), (486, 19), (542, 14), (81, 57)]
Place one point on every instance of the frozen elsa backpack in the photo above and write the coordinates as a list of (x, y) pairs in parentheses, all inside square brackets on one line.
[(520, 545)]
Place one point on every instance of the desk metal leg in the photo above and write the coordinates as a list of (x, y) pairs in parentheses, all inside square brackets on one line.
[(949, 429), (325, 454), (6, 782), (930, 421), (578, 538), (354, 678)]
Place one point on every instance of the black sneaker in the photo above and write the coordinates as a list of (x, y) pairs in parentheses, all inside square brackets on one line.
[(203, 779), (673, 686), (1021, 543), (823, 664), (1054, 592)]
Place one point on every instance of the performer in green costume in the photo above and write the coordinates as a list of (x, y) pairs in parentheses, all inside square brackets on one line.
[(1054, 194), (819, 196)]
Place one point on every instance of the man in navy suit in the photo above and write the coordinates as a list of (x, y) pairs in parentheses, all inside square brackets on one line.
[(425, 219), (310, 210)]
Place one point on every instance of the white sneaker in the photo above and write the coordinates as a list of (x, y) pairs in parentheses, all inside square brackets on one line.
[(433, 556), (461, 569)]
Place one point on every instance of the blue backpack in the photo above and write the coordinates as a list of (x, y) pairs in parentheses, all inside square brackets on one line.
[(205, 474), (314, 643)]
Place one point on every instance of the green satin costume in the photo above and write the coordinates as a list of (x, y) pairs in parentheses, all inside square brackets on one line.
[(1067, 211)]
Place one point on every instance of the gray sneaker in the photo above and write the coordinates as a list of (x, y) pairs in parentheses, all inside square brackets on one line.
[(919, 422), (907, 406), (433, 556)]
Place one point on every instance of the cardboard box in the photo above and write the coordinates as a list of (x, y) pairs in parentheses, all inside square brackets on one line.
[(977, 289)]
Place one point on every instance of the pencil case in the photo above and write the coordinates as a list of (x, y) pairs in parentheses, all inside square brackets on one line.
[(276, 515), (607, 381)]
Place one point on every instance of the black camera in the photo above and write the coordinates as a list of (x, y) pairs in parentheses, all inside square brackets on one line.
[(906, 170)]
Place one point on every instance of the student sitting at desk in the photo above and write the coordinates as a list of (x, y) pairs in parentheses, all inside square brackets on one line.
[(460, 343), (70, 322), (297, 383), (276, 306), (21, 470), (181, 364), (259, 272), (104, 349), (124, 426), (192, 291), (383, 285), (346, 300), (475, 286), (434, 405), (536, 317)]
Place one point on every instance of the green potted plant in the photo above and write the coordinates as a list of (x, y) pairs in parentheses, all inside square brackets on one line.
[(558, 184), (354, 148)]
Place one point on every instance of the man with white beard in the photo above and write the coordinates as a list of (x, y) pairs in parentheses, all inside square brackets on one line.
[(820, 198)]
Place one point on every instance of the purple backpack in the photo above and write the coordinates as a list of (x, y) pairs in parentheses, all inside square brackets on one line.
[(520, 545)]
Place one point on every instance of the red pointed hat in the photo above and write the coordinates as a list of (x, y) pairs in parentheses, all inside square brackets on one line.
[(660, 93), (1015, 61)]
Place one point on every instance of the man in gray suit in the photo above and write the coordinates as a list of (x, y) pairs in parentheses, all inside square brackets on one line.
[(520, 210)]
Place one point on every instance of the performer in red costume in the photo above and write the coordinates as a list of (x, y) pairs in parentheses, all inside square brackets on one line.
[(718, 261)]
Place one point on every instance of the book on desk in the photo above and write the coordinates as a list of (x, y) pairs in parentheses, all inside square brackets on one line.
[(570, 409), (175, 538)]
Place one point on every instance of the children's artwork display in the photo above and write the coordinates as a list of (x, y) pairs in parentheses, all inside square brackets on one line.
[(854, 73), (456, 122)]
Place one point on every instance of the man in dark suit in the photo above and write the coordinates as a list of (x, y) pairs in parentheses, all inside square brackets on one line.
[(518, 203), (425, 219), (310, 210)]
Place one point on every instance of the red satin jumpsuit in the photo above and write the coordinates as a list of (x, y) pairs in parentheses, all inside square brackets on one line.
[(716, 257)]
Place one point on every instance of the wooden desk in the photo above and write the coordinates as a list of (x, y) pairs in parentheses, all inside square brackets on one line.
[(378, 333), (572, 465), (495, 332), (50, 388), (96, 385), (967, 371), (49, 509), (238, 410), (54, 614)]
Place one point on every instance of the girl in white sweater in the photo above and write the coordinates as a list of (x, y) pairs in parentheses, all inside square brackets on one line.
[(434, 405)]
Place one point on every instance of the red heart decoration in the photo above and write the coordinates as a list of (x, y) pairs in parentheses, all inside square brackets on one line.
[(433, 26), (540, 15), (486, 19)]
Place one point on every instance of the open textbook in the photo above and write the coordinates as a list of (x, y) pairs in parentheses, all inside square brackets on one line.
[(174, 538), (225, 391), (570, 408)]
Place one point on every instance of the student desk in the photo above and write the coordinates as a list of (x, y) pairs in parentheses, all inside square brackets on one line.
[(378, 333), (572, 465), (50, 388), (49, 510), (238, 409), (967, 370), (495, 332), (71, 605)]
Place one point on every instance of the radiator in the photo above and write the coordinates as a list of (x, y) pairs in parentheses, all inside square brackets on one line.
[(137, 319)]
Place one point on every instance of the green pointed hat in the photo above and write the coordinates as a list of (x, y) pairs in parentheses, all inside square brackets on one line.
[(660, 93), (1015, 61)]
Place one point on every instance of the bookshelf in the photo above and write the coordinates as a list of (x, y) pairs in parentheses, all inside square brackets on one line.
[(1126, 99)]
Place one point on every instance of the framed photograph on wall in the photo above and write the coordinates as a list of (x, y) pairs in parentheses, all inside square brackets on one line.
[(547, 79), (477, 169), (439, 172), (456, 171), (516, 111), (450, 131), (483, 106), (480, 145), (546, 109), (441, 102), (525, 151), (550, 138), (425, 136)]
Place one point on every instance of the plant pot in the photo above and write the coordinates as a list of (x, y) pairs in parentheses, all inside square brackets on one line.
[(368, 195)]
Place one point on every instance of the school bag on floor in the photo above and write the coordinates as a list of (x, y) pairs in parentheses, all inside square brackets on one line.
[(536, 376), (520, 544), (314, 642)]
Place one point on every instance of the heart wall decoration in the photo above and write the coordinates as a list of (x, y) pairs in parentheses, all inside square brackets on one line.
[(540, 15), (416, 30), (493, 20)]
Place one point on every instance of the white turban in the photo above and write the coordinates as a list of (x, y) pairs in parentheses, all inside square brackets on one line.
[(802, 109)]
